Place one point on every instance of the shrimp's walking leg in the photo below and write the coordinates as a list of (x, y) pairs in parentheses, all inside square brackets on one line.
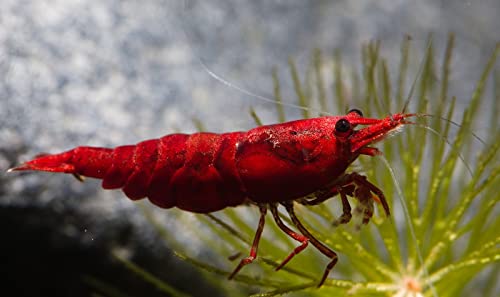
[(321, 247), (346, 210), (361, 181), (365, 206), (255, 244), (302, 239), (357, 186), (343, 191)]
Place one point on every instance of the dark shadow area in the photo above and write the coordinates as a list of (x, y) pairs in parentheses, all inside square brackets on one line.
[(39, 258)]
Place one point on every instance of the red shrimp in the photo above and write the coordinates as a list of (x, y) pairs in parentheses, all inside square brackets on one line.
[(303, 161)]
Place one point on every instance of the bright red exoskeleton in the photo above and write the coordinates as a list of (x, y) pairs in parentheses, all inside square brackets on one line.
[(302, 161)]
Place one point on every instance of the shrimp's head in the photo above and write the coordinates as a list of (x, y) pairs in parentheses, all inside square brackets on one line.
[(374, 131)]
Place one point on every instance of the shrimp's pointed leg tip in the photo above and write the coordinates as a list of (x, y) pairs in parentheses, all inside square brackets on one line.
[(79, 177)]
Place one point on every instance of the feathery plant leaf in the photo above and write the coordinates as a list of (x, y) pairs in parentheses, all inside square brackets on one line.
[(454, 213)]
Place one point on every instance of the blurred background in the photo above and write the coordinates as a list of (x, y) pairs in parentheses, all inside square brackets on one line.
[(111, 72)]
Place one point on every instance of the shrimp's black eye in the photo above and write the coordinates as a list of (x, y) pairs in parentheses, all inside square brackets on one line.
[(342, 126), (356, 111)]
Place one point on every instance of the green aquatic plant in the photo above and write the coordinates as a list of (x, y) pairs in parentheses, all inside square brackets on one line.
[(443, 241)]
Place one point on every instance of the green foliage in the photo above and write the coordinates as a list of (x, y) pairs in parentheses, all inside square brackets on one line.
[(453, 229)]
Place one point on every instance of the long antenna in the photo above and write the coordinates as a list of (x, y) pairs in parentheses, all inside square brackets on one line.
[(231, 85), (454, 124), (257, 96), (396, 184), (411, 228), (417, 76)]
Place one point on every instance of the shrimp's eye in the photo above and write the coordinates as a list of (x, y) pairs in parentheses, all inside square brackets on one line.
[(342, 126), (356, 111)]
